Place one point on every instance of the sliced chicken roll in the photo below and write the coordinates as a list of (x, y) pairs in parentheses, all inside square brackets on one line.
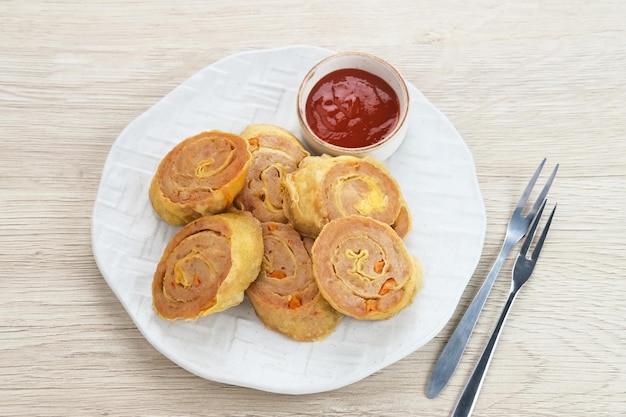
[(363, 269), (324, 188), (275, 153), (207, 266), (285, 296), (200, 176)]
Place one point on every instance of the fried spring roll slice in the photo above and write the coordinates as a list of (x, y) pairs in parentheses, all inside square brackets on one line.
[(275, 152), (363, 268), (324, 188), (200, 176), (285, 296), (207, 266)]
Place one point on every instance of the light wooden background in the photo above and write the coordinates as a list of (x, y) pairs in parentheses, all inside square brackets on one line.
[(520, 80)]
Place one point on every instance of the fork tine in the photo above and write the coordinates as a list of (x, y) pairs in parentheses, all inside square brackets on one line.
[(530, 234), (544, 192), (524, 198), (542, 238)]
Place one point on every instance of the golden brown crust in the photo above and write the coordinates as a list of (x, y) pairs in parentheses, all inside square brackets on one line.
[(402, 223), (285, 296), (207, 266), (308, 238), (200, 176), (363, 268), (324, 188), (275, 152)]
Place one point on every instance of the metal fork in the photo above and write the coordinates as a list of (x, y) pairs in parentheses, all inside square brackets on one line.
[(522, 270), (518, 225)]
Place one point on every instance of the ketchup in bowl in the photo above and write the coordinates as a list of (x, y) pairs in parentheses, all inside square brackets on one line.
[(352, 108)]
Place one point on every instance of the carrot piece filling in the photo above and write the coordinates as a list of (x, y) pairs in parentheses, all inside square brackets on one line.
[(387, 286), (254, 142), (294, 303), (371, 304), (277, 274)]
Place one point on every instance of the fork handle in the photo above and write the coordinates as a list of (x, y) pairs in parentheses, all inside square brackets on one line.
[(468, 397), (452, 352)]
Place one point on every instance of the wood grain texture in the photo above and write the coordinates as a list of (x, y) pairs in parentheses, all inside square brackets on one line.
[(519, 80)]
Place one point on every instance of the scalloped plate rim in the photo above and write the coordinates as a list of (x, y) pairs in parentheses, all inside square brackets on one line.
[(334, 383)]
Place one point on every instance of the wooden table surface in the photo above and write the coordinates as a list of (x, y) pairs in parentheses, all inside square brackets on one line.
[(519, 80)]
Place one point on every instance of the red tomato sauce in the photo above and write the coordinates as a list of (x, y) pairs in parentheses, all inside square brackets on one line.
[(352, 108)]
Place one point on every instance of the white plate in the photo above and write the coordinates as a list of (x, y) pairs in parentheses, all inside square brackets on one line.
[(434, 168)]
